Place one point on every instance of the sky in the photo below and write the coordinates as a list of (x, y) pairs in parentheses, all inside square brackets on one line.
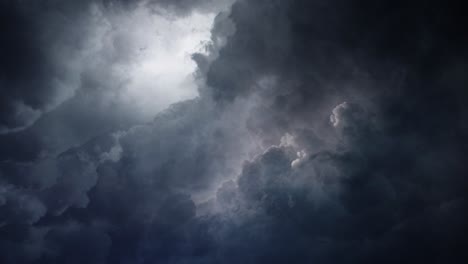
[(233, 131)]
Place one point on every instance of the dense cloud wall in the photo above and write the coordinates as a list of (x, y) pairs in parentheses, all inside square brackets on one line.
[(325, 132)]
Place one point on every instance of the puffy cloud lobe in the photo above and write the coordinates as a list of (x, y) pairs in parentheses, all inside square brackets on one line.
[(336, 205), (341, 205), (386, 184), (155, 192), (86, 58)]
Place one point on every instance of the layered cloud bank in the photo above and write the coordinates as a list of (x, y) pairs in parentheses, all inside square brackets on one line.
[(323, 132)]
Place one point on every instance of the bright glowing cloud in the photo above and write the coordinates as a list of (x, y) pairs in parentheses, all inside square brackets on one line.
[(162, 72)]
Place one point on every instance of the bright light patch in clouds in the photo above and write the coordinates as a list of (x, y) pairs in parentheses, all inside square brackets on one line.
[(163, 73), (156, 68), (131, 57)]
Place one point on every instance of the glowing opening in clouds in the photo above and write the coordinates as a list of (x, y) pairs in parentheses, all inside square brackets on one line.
[(161, 71)]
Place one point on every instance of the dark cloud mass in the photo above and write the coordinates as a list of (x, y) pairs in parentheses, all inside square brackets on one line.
[(324, 132)]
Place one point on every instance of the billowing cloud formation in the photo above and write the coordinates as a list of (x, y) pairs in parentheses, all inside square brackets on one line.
[(104, 65), (324, 132)]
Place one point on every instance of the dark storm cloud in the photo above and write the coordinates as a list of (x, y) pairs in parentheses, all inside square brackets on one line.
[(59, 86), (379, 185), (30, 76), (44, 57), (44, 44), (152, 171), (350, 117)]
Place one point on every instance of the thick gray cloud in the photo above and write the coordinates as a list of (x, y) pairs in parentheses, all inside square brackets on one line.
[(28, 60), (71, 71), (154, 172), (324, 132)]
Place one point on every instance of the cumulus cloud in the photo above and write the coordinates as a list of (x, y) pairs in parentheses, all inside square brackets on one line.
[(119, 65), (324, 132)]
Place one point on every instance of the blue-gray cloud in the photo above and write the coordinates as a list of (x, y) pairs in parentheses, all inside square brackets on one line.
[(324, 132)]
